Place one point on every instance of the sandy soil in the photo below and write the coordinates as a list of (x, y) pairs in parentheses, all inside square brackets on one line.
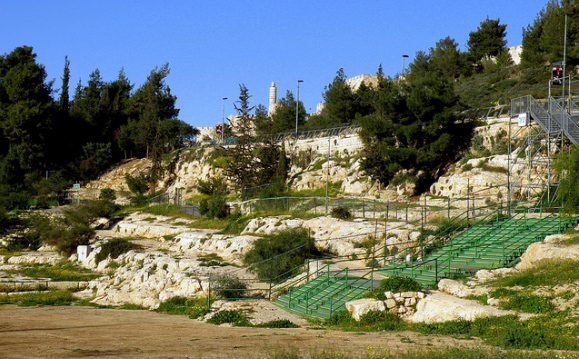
[(85, 332)]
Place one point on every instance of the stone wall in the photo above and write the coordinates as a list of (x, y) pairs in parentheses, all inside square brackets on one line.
[(338, 146)]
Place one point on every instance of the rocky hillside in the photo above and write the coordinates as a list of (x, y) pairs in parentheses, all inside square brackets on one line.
[(482, 170)]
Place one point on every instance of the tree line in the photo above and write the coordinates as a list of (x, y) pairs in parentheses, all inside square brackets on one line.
[(47, 142), (414, 125)]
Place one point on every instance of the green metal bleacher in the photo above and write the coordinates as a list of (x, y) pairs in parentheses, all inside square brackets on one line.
[(492, 242)]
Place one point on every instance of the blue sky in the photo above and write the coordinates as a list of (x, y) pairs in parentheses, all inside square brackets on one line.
[(212, 46)]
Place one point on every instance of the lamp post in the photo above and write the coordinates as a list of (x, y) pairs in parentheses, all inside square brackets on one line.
[(223, 120), (565, 52), (403, 57), (297, 109)]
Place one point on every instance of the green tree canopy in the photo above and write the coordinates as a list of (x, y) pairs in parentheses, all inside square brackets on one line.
[(487, 40), (340, 101), (543, 40), (26, 113), (284, 117), (415, 127)]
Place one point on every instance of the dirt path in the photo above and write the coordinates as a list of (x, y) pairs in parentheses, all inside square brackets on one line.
[(85, 332)]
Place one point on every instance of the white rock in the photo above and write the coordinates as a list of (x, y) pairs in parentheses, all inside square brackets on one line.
[(390, 303), (541, 251), (359, 307), (438, 307)]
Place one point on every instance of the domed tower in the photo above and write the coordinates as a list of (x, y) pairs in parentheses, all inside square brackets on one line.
[(272, 98)]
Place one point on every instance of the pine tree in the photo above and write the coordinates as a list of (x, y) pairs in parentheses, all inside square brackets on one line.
[(487, 40), (63, 102), (241, 168)]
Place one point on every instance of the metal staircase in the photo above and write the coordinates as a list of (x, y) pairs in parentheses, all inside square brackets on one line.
[(554, 116)]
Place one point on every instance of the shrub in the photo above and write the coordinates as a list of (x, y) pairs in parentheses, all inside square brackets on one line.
[(212, 185), (229, 288), (341, 212), (194, 308), (139, 200), (381, 320), (138, 184), (374, 320), (234, 317), (114, 248), (278, 254), (393, 284), (218, 207), (203, 206), (107, 194), (4, 220), (280, 323), (65, 232), (102, 208)]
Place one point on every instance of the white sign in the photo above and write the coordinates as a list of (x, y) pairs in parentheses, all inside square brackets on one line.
[(76, 187), (523, 119)]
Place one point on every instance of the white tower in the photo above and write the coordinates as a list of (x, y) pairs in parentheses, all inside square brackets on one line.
[(272, 98)]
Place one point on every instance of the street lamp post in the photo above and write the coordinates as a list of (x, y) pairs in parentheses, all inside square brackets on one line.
[(297, 109), (223, 121), (565, 52), (403, 57)]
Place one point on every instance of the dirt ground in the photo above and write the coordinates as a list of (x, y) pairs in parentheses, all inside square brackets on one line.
[(86, 332)]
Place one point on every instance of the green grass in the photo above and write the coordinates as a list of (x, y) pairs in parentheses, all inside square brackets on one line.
[(545, 273), (7, 254), (54, 298), (510, 333), (384, 351), (167, 210), (371, 322), (60, 272), (529, 303), (209, 223), (571, 241)]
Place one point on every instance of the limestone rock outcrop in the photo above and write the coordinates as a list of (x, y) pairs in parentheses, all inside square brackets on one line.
[(439, 307), (549, 249)]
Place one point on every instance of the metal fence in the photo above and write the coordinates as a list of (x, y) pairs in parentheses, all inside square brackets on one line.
[(177, 200)]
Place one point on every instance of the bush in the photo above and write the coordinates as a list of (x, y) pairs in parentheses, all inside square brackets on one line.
[(211, 186), (139, 200), (214, 207), (374, 320), (341, 212), (394, 284), (137, 184), (66, 232), (381, 320), (107, 194), (279, 254), (203, 206), (102, 209), (229, 288), (234, 317), (280, 323), (194, 308), (114, 248)]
